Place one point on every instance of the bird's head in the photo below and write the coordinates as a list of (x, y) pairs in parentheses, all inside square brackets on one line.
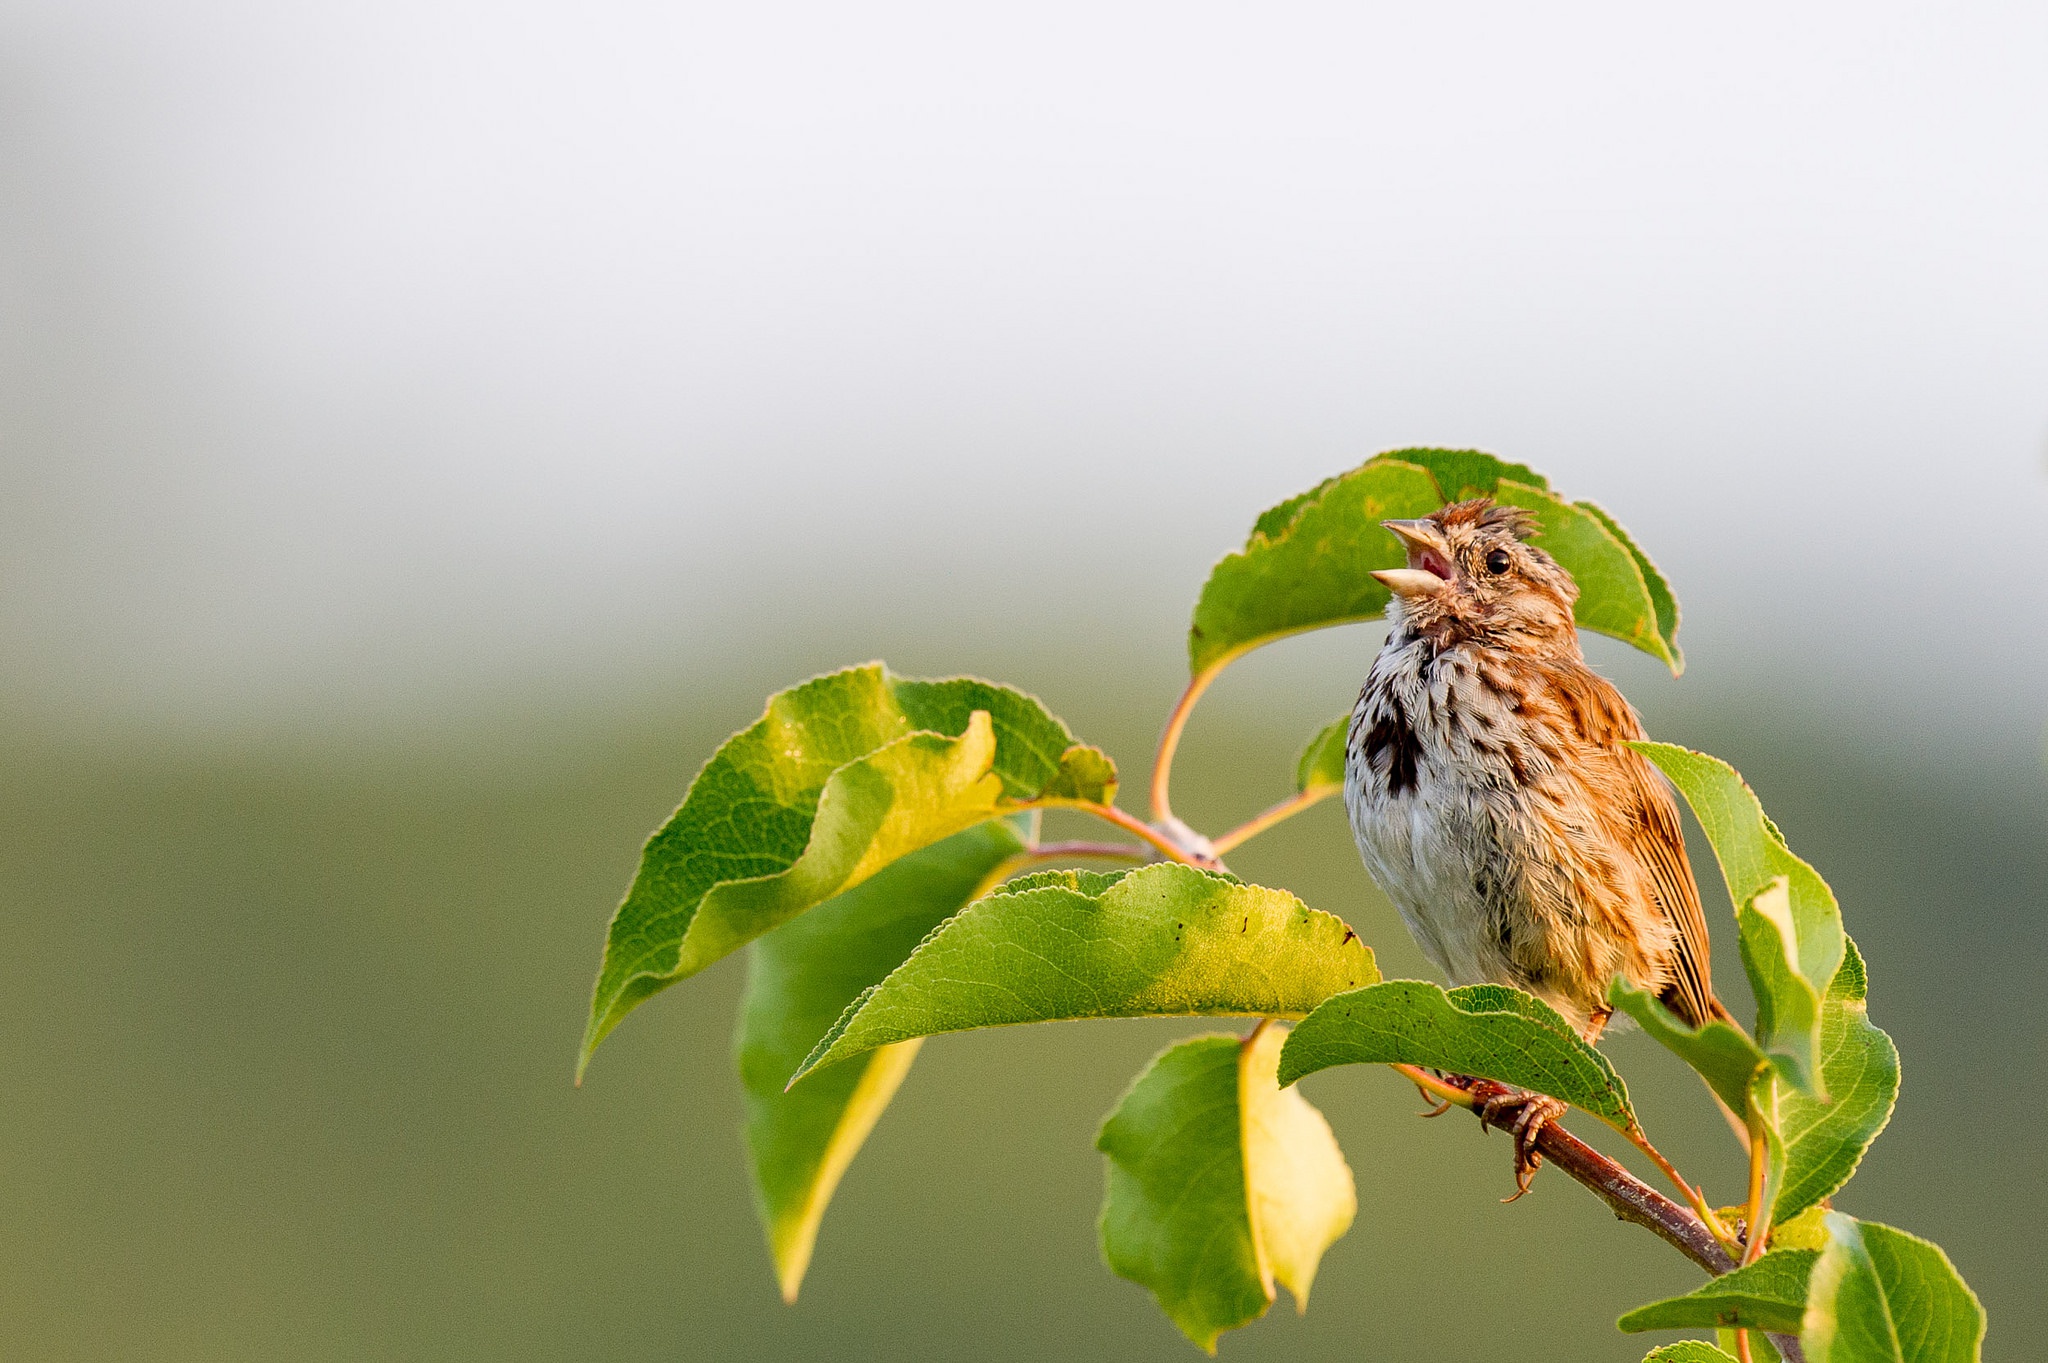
[(1472, 574)]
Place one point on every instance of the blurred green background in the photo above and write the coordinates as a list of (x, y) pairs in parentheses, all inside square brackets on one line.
[(428, 427), (290, 1029)]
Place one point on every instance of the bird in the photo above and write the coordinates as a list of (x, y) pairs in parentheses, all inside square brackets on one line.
[(1495, 801)]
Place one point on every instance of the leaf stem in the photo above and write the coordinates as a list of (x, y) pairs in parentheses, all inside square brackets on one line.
[(1062, 851), (1758, 1212), (1169, 741), (1259, 823), (1130, 823), (1701, 1207)]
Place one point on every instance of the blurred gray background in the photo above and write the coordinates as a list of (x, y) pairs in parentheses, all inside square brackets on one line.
[(426, 430)]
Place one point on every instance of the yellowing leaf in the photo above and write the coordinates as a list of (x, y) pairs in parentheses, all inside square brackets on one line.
[(1220, 1184), (800, 977), (1299, 1188), (843, 775), (1163, 941)]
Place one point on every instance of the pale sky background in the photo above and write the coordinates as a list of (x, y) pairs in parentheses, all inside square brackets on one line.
[(362, 364)]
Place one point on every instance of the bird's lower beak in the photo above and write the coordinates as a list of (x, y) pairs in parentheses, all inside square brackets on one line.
[(1429, 561), (1411, 582)]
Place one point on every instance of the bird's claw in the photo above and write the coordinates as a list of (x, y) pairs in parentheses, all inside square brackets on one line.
[(1523, 1115), (1439, 1105)]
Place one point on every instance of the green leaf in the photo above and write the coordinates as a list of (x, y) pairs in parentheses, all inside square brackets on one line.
[(1882, 1296), (1806, 937), (1464, 474), (1787, 1005), (1163, 941), (1321, 765), (1725, 1057), (1614, 597), (1769, 1294), (1661, 599), (800, 977), (1086, 776), (1807, 1230), (841, 776), (1687, 1351), (1825, 1141), (1309, 561), (1220, 1184), (1486, 1030)]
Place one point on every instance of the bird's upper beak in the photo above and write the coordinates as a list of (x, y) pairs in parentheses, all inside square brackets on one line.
[(1429, 560)]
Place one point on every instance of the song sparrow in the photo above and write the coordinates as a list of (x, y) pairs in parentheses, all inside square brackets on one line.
[(1495, 803)]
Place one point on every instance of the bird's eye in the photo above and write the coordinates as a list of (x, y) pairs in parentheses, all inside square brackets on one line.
[(1498, 561)]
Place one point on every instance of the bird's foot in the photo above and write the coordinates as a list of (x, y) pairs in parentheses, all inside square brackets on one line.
[(1523, 1115)]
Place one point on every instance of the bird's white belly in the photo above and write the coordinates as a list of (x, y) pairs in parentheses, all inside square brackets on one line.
[(1423, 848)]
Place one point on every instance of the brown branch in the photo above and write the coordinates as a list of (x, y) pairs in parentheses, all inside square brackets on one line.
[(1631, 1199)]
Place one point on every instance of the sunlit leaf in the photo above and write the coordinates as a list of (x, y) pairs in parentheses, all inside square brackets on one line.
[(1769, 1294), (1220, 1184), (841, 776), (1085, 776), (1309, 561), (1321, 765), (1724, 1056), (800, 977), (1825, 1141), (1802, 932), (1806, 1230), (1687, 1351), (1163, 941), (1488, 1031), (1299, 1187), (1879, 1295)]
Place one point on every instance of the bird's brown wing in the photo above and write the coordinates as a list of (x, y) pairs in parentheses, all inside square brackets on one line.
[(1638, 808), (1659, 847)]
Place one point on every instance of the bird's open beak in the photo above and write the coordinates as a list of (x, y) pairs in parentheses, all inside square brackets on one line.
[(1429, 560)]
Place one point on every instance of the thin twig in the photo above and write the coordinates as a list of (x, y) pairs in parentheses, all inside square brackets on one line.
[(1259, 823), (1169, 740), (1063, 851), (1130, 823)]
